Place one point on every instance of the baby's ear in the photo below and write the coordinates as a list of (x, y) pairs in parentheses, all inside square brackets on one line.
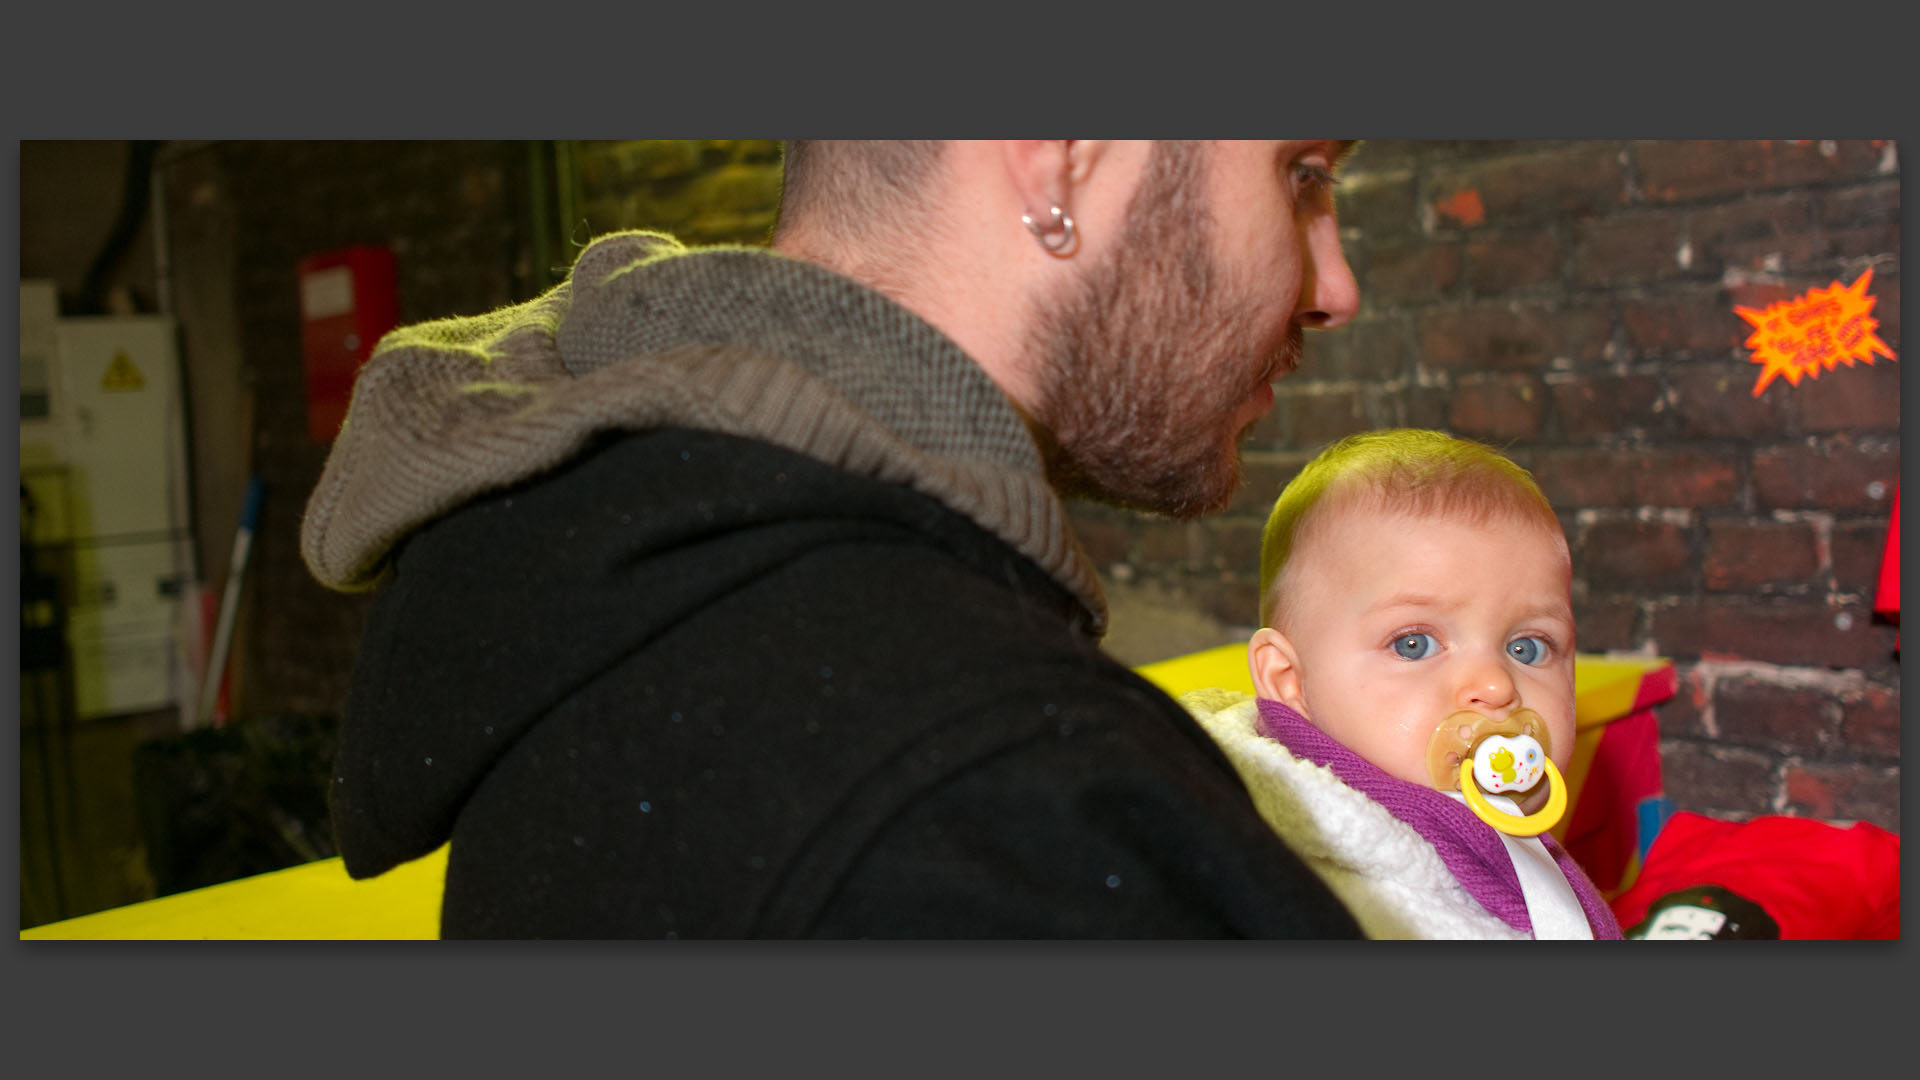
[(1276, 669)]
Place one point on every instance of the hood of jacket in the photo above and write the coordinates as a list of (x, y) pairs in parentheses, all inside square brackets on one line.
[(646, 333)]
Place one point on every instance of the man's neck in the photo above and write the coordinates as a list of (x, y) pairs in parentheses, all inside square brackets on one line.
[(969, 307)]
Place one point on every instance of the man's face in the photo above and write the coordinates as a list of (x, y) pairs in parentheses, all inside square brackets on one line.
[(1397, 621), (1158, 358)]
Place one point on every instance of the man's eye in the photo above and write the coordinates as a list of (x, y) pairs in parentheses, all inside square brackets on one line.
[(1528, 650), (1414, 646), (1314, 180)]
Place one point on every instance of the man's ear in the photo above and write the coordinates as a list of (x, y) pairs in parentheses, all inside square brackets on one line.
[(1276, 669), (1045, 173)]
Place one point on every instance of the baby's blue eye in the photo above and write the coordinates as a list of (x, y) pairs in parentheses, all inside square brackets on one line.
[(1414, 646), (1527, 650)]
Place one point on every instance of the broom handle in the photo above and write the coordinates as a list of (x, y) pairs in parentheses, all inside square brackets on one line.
[(229, 603)]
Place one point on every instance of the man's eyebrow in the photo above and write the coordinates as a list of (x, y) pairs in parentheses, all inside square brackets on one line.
[(1343, 147)]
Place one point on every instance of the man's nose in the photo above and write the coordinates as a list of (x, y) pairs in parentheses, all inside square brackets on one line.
[(1329, 295)]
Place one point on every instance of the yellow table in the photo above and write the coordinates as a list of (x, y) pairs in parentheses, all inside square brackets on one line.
[(319, 901)]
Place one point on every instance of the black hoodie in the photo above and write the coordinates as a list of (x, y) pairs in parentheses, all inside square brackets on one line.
[(722, 597)]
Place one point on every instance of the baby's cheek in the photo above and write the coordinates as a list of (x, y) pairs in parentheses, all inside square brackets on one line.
[(1562, 733)]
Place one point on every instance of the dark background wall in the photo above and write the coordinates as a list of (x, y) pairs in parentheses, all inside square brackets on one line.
[(1569, 301), (1574, 302)]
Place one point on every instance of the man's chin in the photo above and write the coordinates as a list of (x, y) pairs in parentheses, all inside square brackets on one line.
[(1203, 491), (1188, 495)]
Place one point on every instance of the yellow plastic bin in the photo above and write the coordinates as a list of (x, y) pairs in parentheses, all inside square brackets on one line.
[(318, 901)]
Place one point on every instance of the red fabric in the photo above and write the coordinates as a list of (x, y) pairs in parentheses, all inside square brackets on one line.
[(1818, 881), (1888, 598), (1604, 833)]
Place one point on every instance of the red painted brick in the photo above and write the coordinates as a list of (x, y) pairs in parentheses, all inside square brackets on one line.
[(1581, 179), (1605, 623), (1636, 556), (1858, 548), (1496, 337), (1845, 792), (1860, 398), (1695, 169), (1700, 318), (1717, 781), (1795, 633), (1601, 406), (1745, 234), (1512, 261), (1414, 272), (1793, 720), (1497, 408), (1627, 478), (1870, 721), (1715, 398), (1751, 556), (1626, 248), (1463, 208), (1835, 474)]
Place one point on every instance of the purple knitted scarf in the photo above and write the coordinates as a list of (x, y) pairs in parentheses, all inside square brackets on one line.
[(1471, 848)]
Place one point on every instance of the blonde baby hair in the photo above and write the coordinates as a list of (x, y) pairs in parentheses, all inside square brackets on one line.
[(1402, 470)]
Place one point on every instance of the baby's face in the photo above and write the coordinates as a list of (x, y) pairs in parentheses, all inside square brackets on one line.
[(1399, 621)]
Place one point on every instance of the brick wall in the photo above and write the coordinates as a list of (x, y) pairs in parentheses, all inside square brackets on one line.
[(455, 215), (460, 219), (1574, 303), (1571, 301), (702, 191)]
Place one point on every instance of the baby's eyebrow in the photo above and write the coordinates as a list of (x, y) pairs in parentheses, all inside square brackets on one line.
[(1406, 599), (1554, 611)]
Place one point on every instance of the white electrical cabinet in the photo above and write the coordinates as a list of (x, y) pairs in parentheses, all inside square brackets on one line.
[(104, 462)]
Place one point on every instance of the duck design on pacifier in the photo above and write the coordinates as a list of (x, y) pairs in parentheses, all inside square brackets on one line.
[(1476, 755)]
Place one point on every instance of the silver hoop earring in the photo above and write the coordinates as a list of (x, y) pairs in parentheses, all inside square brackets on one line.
[(1061, 223)]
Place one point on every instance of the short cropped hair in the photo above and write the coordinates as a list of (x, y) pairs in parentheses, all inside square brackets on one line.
[(1403, 470), (853, 189)]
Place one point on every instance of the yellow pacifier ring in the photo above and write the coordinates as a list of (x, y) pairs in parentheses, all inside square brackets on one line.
[(1525, 825)]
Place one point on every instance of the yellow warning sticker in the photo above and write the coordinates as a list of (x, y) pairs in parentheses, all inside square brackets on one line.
[(121, 374)]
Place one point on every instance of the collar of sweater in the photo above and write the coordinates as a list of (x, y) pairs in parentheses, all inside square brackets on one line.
[(646, 333), (1393, 879)]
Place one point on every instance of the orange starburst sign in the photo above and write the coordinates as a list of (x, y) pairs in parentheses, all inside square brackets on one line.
[(1814, 332)]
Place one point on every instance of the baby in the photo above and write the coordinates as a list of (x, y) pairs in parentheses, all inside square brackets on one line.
[(1414, 681)]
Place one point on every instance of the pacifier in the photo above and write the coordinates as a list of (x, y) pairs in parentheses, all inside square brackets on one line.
[(1473, 753)]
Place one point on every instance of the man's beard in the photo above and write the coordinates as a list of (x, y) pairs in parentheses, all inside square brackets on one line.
[(1146, 358)]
